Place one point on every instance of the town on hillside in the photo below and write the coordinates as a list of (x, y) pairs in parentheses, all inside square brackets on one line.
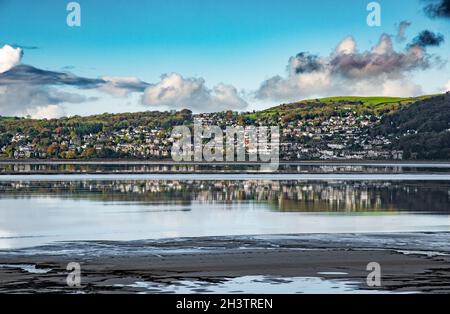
[(349, 133)]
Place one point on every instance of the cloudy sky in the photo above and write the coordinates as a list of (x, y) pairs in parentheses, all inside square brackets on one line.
[(213, 55)]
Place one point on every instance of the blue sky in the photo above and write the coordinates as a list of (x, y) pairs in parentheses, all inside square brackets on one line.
[(239, 43)]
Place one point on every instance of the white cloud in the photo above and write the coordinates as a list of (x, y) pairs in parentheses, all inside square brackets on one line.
[(384, 46), (346, 46), (176, 92), (36, 101), (380, 70), (447, 87), (401, 87), (9, 57), (45, 112)]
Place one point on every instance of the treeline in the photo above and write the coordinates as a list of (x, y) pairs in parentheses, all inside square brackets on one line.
[(49, 137), (94, 124), (421, 130)]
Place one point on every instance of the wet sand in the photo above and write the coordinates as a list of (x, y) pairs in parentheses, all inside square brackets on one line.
[(410, 262)]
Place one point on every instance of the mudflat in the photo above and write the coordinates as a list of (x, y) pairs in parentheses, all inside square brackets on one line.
[(410, 262)]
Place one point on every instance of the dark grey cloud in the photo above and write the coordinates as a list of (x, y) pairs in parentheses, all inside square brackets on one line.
[(381, 60), (427, 38), (438, 9), (402, 30), (370, 64), (23, 47), (306, 63), (139, 86), (26, 74)]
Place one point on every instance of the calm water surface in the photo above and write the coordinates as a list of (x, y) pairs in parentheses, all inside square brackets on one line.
[(36, 210)]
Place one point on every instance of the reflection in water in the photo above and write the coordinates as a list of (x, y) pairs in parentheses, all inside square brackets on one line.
[(295, 196), (146, 167), (40, 212)]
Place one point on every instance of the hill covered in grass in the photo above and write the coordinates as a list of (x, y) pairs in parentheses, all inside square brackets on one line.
[(332, 106)]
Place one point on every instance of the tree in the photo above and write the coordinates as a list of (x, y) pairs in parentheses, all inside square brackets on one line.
[(52, 150), (70, 155), (89, 152)]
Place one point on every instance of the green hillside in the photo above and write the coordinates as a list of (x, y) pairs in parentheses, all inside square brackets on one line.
[(325, 107), (422, 130)]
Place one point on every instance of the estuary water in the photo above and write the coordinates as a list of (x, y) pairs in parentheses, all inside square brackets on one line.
[(38, 209)]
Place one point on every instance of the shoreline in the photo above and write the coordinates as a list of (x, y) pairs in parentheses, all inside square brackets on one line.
[(169, 162), (124, 167), (410, 262), (220, 176)]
